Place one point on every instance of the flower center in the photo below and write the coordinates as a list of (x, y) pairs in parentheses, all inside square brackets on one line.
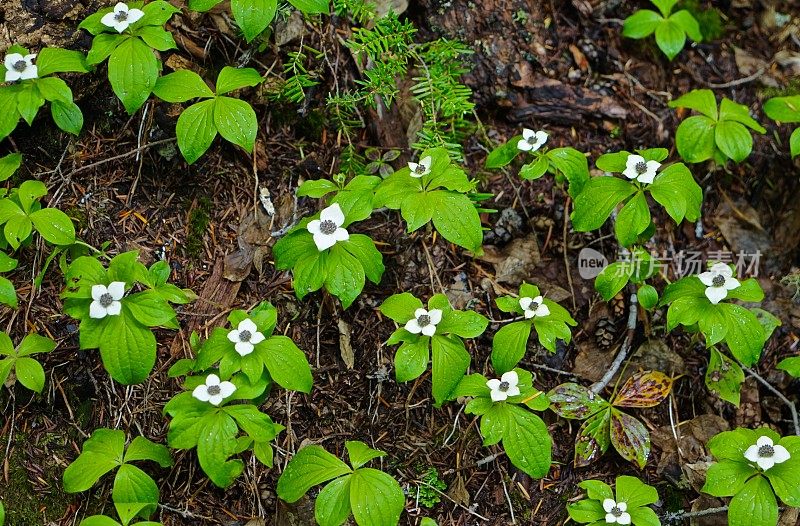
[(20, 65), (420, 169), (718, 281), (424, 320), (533, 140), (616, 512), (244, 336), (213, 390), (106, 299), (766, 451), (327, 227), (533, 306), (121, 16), (504, 386), (641, 167)]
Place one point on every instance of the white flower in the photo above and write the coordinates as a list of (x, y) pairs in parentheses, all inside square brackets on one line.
[(213, 391), (766, 454), (423, 168), (106, 300), (507, 385), (637, 168), (531, 140), (328, 229), (19, 67), (615, 512), (534, 307), (245, 336), (424, 321), (718, 281), (121, 17)]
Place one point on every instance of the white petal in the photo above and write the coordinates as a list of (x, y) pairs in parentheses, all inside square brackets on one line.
[(623, 506), (625, 518), (212, 379), (109, 19), (706, 278), (324, 242), (121, 7), (541, 137), (722, 268), (764, 440), (11, 59), (781, 454), (257, 338), (731, 283), (333, 213), (244, 348), (525, 302), (543, 310), (134, 15), (98, 291), (529, 314), (313, 226), (429, 330), (511, 377), (610, 519), (716, 294), (513, 391), (498, 396), (340, 234), (247, 325), (608, 505), (426, 162), (633, 160), (493, 384), (630, 173), (538, 299), (765, 463), (97, 311), (524, 145), (751, 454), (413, 327), (215, 399), (528, 133), (420, 312), (30, 72), (647, 177), (114, 309), (233, 335), (121, 25), (29, 58), (435, 315), (12, 75), (201, 393), (117, 289), (226, 389), (413, 168)]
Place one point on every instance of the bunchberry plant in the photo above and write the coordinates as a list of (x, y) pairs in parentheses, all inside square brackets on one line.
[(431, 335), (253, 16), (380, 163), (502, 404), (628, 503), (791, 365), (129, 35), (434, 189), (321, 252), (673, 188), (27, 370), (103, 520), (199, 124), (135, 493), (21, 212), (30, 84), (636, 266), (566, 164), (551, 321), (753, 466), (2, 514), (671, 29), (354, 198), (373, 497), (117, 320), (718, 133), (604, 424), (786, 110)]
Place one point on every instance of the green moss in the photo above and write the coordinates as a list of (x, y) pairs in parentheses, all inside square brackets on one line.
[(792, 88), (79, 215), (710, 20), (199, 219)]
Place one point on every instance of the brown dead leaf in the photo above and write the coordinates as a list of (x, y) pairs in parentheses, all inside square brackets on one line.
[(579, 57), (458, 491), (515, 262), (345, 347)]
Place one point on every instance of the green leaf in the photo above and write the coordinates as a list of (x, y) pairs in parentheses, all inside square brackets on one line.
[(596, 490), (133, 71), (231, 79), (310, 466), (101, 453), (574, 401), (727, 478), (157, 37), (29, 192), (215, 444), (794, 143), (56, 60), (253, 16), (587, 511), (287, 364), (311, 7), (141, 448), (641, 24), (67, 116), (670, 38), (597, 200), (745, 335), (34, 344), (534, 170), (457, 220), (30, 373), (9, 164), (134, 493), (733, 111), (181, 86), (629, 437), (450, 361), (417, 209), (400, 307), (574, 165), (665, 6), (363, 249), (676, 190), (632, 219), (783, 109), (755, 505), (316, 188), (29, 100), (99, 520), (509, 345), (701, 100), (731, 445), (196, 130), (375, 498), (344, 275), (360, 453), (783, 476), (310, 273), (613, 279), (102, 46), (648, 296), (9, 118), (256, 424), (527, 442), (505, 153), (236, 121), (149, 308), (411, 359), (54, 89), (332, 507), (724, 377), (634, 492), (17, 230), (733, 140), (54, 226), (791, 366), (688, 23), (128, 350), (695, 139), (466, 324), (157, 13)]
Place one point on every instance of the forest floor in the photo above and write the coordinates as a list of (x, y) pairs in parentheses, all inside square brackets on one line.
[(558, 65)]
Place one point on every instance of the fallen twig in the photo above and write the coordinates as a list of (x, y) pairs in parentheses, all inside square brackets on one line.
[(674, 516), (623, 351), (792, 407)]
